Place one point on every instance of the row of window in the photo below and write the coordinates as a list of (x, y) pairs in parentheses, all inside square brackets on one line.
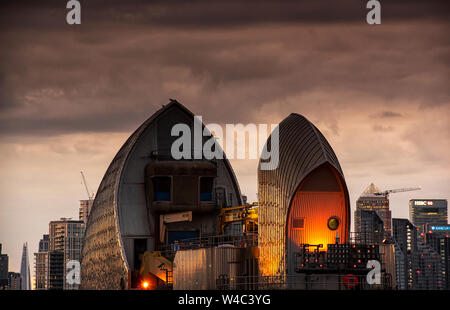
[(162, 188)]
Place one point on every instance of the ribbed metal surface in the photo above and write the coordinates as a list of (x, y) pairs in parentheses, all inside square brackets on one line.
[(104, 263), (302, 149), (203, 269)]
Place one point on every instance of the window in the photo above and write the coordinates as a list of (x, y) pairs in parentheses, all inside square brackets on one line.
[(161, 188), (206, 189)]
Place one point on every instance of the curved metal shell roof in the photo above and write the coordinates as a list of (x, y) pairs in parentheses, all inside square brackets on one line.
[(302, 149), (104, 262)]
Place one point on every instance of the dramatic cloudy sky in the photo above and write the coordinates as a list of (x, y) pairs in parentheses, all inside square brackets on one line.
[(71, 95)]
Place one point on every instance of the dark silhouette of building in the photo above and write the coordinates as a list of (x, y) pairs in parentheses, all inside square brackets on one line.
[(438, 237), (418, 265), (369, 201), (143, 182), (428, 211), (4, 260), (303, 201), (25, 269), (14, 283), (56, 270), (41, 264), (369, 228)]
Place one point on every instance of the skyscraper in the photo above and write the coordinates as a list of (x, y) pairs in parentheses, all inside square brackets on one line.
[(428, 211), (85, 209), (44, 243), (418, 265), (25, 269), (370, 227), (372, 202), (3, 269), (438, 237), (66, 238), (41, 264), (14, 283), (404, 235)]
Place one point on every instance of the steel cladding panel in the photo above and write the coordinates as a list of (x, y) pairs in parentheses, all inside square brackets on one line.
[(200, 269), (302, 149), (315, 208), (104, 261)]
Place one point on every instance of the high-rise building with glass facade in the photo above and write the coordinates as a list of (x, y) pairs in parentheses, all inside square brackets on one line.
[(369, 228), (418, 264), (66, 237), (372, 201), (3, 269), (85, 209), (428, 211), (25, 269), (438, 237), (14, 283), (41, 264)]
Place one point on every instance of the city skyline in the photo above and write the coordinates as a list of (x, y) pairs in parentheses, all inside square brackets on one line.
[(379, 95)]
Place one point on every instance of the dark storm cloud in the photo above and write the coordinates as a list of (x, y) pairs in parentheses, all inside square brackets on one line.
[(218, 13), (128, 57)]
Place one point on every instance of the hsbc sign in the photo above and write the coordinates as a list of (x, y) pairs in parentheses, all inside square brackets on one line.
[(423, 203)]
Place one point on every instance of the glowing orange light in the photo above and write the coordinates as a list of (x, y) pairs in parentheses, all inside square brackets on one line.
[(145, 284)]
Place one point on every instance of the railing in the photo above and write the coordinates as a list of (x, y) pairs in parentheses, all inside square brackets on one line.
[(305, 282), (243, 241)]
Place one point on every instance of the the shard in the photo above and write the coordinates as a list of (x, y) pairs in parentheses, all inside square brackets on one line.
[(25, 269)]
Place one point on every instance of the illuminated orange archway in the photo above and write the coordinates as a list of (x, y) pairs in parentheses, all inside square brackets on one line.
[(319, 211)]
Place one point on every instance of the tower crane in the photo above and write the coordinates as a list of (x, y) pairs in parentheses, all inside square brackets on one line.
[(398, 190), (90, 196)]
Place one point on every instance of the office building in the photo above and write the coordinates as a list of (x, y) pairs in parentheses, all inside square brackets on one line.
[(4, 260), (56, 271), (85, 209), (369, 228), (371, 200), (428, 211), (14, 282), (25, 269), (66, 237), (41, 264), (418, 264), (404, 236), (427, 268), (438, 237), (44, 243)]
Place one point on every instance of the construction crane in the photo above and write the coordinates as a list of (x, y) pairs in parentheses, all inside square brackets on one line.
[(90, 196), (398, 190)]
